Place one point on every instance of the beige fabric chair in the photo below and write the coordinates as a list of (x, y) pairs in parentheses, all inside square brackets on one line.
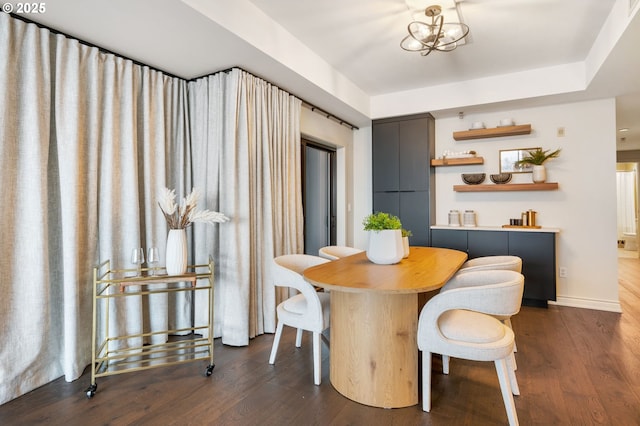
[(336, 252), (492, 263), (460, 323), (308, 310), (488, 263)]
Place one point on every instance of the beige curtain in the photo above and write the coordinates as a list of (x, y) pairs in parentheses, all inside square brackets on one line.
[(245, 134), (84, 143), (87, 140)]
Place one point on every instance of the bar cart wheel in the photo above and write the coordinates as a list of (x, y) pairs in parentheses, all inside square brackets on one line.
[(209, 369), (91, 390)]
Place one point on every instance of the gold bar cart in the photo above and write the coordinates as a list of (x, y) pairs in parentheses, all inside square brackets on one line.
[(109, 285)]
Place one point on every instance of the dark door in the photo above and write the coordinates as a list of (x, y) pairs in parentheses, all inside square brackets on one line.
[(319, 196)]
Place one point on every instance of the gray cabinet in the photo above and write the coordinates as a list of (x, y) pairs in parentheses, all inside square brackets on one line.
[(402, 176), (536, 249)]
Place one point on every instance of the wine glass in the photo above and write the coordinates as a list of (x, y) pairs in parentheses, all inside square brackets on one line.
[(153, 256), (137, 258)]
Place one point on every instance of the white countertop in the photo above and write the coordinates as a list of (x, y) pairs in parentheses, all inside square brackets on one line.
[(495, 228)]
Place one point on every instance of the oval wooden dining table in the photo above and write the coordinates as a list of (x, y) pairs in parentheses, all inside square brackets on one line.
[(374, 321)]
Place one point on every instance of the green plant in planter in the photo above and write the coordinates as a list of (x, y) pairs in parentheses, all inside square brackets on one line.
[(406, 233), (537, 157), (380, 221)]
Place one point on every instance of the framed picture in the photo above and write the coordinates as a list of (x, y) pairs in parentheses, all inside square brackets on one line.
[(509, 158)]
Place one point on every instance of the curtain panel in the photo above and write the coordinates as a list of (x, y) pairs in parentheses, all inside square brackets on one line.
[(87, 140), (246, 143)]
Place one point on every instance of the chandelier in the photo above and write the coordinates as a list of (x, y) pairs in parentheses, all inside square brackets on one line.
[(438, 35)]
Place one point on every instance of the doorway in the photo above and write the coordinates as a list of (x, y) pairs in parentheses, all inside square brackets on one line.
[(627, 183), (318, 196)]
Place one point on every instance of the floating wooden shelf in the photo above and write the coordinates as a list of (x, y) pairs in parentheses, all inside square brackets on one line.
[(550, 186), (523, 129), (456, 161)]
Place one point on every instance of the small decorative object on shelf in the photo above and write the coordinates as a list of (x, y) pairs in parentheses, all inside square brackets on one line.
[(473, 178), (451, 158), (537, 158), (385, 238), (460, 154), (500, 178), (179, 218)]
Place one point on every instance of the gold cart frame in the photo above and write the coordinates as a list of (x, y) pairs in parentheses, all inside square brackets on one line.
[(108, 359)]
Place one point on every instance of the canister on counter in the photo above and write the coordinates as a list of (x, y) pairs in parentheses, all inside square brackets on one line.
[(454, 218)]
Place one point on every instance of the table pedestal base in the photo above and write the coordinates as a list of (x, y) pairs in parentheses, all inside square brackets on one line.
[(374, 354)]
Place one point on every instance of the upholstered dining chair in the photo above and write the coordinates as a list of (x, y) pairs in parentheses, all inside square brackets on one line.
[(336, 252), (460, 323), (306, 311), (492, 263), (489, 263)]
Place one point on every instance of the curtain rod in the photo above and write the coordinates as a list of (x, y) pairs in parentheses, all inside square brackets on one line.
[(168, 74), (86, 43), (305, 104)]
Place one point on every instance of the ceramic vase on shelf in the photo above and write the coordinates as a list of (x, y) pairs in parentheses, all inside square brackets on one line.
[(539, 174), (176, 256), (385, 247)]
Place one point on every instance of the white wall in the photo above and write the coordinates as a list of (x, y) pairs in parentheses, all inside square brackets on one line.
[(584, 206)]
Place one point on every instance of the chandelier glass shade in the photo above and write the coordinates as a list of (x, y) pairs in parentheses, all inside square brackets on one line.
[(437, 35)]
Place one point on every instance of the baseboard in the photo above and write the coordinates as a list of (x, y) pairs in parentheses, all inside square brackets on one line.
[(576, 302)]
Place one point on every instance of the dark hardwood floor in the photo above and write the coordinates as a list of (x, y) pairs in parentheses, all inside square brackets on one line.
[(575, 367)]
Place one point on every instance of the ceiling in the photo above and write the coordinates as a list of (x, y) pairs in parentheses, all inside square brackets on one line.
[(357, 41)]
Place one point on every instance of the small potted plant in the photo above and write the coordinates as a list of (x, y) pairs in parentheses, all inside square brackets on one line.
[(385, 238), (537, 158), (405, 241)]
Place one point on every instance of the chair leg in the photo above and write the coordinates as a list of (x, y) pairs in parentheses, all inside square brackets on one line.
[(507, 322), (276, 342), (445, 364), (298, 338), (426, 381), (511, 361), (503, 377), (317, 359)]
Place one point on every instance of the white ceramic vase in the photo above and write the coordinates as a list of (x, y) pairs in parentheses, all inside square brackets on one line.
[(176, 256), (385, 247), (405, 246), (539, 174)]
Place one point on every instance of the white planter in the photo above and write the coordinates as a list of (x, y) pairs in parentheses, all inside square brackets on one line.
[(385, 247), (176, 256), (539, 174), (405, 246)]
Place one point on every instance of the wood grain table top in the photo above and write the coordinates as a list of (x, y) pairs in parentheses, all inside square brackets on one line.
[(426, 269)]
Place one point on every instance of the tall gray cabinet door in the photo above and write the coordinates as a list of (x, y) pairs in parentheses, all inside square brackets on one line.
[(386, 154), (402, 175), (388, 202), (414, 155), (414, 211)]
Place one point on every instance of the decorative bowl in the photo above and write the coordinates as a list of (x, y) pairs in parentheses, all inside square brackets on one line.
[(500, 178), (473, 178)]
